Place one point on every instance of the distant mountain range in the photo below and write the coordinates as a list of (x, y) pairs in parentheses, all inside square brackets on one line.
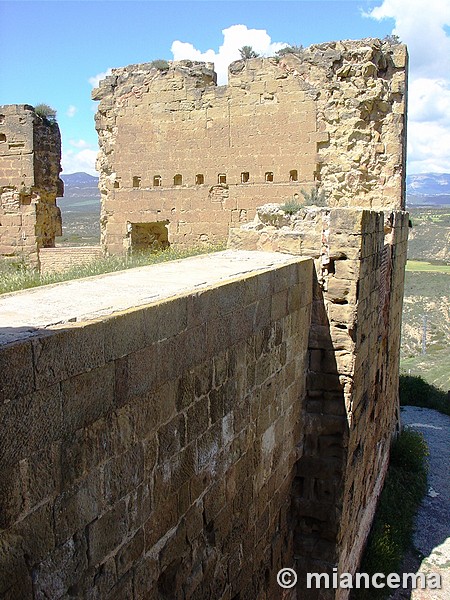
[(427, 189), (81, 193)]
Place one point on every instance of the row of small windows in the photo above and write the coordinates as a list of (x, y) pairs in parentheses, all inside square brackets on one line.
[(200, 179)]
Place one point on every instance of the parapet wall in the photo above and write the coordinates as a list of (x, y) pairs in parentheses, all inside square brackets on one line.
[(177, 151), (151, 454), (351, 406), (30, 155)]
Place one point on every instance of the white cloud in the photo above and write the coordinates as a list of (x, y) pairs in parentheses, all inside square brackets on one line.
[(71, 111), (95, 80), (421, 24), (234, 37), (82, 161), (80, 144)]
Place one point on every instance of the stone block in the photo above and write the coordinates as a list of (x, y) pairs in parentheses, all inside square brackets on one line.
[(130, 553), (36, 533), (87, 397), (67, 352), (107, 533), (124, 334), (61, 570), (29, 424), (12, 495), (340, 290), (123, 474), (42, 475), (78, 506), (16, 366), (15, 577)]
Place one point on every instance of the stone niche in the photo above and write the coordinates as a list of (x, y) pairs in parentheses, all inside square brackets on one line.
[(30, 155), (176, 147)]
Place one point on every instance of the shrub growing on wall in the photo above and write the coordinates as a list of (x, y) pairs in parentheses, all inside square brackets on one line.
[(46, 112)]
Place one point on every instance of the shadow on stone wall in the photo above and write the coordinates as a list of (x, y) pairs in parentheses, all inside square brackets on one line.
[(318, 485)]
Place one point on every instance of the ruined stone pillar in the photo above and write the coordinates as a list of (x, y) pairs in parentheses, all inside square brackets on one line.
[(30, 155)]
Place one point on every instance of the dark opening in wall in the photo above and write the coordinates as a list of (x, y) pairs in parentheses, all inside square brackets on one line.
[(293, 175), (117, 183), (157, 181), (2, 138), (178, 179), (222, 178), (245, 176), (149, 236), (269, 176), (136, 182), (199, 179)]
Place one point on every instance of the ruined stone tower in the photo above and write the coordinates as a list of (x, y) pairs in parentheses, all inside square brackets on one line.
[(181, 159), (30, 155)]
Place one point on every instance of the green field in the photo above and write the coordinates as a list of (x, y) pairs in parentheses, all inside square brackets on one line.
[(426, 312), (429, 236), (419, 265)]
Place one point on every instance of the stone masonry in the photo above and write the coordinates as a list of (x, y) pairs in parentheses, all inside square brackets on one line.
[(150, 453), (30, 154), (181, 159), (351, 409)]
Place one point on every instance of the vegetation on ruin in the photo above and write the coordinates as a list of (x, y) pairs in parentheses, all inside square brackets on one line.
[(392, 529), (293, 49), (247, 52), (46, 112), (311, 198), (415, 391), (314, 197), (16, 275), (160, 64), (291, 207), (392, 39)]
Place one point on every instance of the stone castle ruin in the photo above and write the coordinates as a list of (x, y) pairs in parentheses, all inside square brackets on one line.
[(182, 159), (30, 155), (234, 414)]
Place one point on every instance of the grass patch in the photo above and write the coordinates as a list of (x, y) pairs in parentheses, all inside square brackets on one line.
[(419, 265), (16, 275), (415, 391), (392, 529)]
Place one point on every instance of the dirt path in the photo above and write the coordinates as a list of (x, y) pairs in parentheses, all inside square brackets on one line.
[(432, 527)]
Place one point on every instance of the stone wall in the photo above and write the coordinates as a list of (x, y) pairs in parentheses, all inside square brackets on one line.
[(351, 408), (176, 149), (53, 260), (30, 154), (151, 454)]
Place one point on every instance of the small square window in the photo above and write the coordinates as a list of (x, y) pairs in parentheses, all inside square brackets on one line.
[(157, 182), (178, 180), (293, 175), (245, 177), (136, 182), (269, 176), (222, 178), (199, 179)]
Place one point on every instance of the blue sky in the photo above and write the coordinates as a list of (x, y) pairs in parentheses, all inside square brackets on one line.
[(54, 51)]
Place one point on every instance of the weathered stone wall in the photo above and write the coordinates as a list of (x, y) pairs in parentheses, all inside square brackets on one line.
[(53, 260), (177, 149), (351, 410), (151, 454), (30, 154)]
